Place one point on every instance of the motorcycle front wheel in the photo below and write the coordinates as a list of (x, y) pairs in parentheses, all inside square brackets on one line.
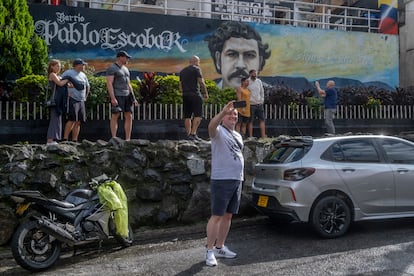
[(33, 249)]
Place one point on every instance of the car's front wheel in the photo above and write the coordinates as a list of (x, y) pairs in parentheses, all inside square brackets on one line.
[(331, 217)]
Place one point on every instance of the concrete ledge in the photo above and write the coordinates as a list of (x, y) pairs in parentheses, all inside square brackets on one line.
[(34, 131)]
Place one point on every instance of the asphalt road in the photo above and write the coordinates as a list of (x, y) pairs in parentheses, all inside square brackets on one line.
[(264, 248)]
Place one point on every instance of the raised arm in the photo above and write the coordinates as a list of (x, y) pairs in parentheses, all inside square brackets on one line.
[(214, 123), (321, 92)]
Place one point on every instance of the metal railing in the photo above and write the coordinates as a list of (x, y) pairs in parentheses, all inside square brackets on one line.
[(286, 12), (36, 111)]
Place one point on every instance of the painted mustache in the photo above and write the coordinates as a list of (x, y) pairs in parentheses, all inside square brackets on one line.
[(239, 74)]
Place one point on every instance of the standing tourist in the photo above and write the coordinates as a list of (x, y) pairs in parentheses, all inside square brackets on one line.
[(256, 104), (191, 80), (77, 98), (243, 94), (330, 95), (121, 93), (227, 168), (54, 132)]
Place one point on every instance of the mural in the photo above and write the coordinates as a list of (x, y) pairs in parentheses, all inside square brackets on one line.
[(160, 43)]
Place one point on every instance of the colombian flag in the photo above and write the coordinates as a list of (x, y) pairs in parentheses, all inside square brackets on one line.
[(389, 12)]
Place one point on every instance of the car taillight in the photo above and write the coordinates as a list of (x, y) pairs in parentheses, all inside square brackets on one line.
[(298, 174)]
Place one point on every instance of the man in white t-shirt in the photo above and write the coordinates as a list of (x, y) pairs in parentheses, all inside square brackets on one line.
[(227, 168), (256, 104)]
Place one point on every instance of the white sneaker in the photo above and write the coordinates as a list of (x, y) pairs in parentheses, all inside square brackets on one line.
[(224, 252), (51, 143), (210, 258)]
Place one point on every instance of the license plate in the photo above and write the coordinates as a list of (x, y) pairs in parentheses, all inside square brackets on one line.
[(262, 201), (22, 207)]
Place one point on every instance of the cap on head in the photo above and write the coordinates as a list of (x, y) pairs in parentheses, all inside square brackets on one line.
[(123, 54), (79, 61)]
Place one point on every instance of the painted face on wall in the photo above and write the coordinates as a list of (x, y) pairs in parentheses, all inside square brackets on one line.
[(238, 57)]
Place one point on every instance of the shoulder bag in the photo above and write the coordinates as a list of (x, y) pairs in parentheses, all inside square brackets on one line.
[(51, 102)]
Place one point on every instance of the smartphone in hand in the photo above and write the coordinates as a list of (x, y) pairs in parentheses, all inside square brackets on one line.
[(239, 104)]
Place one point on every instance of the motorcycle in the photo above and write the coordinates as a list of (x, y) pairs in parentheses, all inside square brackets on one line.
[(81, 218)]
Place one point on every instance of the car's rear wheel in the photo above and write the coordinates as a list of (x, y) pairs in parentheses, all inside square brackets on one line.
[(331, 217)]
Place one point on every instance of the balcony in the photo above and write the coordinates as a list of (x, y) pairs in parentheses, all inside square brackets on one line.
[(311, 13)]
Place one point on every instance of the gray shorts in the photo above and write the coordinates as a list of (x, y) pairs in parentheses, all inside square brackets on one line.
[(225, 196), (76, 111), (256, 111), (125, 103)]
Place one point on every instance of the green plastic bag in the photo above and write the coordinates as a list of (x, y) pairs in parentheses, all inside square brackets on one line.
[(112, 195)]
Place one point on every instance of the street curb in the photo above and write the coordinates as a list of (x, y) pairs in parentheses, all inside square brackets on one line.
[(142, 235)]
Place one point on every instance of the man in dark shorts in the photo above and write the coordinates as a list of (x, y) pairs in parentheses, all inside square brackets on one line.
[(120, 91), (191, 80), (256, 104), (77, 98), (227, 174)]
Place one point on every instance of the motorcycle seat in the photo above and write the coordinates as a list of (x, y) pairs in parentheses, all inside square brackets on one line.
[(63, 204)]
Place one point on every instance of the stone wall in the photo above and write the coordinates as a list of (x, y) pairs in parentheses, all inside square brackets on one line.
[(166, 182)]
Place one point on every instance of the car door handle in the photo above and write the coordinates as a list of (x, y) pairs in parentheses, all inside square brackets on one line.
[(402, 171), (348, 169)]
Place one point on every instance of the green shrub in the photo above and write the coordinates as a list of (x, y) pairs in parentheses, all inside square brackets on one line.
[(219, 96), (315, 104), (372, 102), (30, 88), (97, 94), (136, 84), (293, 106), (170, 90)]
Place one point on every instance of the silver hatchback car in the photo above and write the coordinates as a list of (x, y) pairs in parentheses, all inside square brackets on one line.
[(331, 182)]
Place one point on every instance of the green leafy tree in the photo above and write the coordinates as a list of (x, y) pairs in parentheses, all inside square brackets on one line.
[(23, 52)]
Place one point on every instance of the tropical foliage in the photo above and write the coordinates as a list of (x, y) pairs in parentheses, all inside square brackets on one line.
[(165, 89), (23, 52)]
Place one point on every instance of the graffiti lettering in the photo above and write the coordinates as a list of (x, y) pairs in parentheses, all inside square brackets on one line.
[(108, 38), (114, 39), (61, 18), (309, 58)]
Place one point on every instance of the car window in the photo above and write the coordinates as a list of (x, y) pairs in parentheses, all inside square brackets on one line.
[(285, 155), (398, 152), (354, 151)]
